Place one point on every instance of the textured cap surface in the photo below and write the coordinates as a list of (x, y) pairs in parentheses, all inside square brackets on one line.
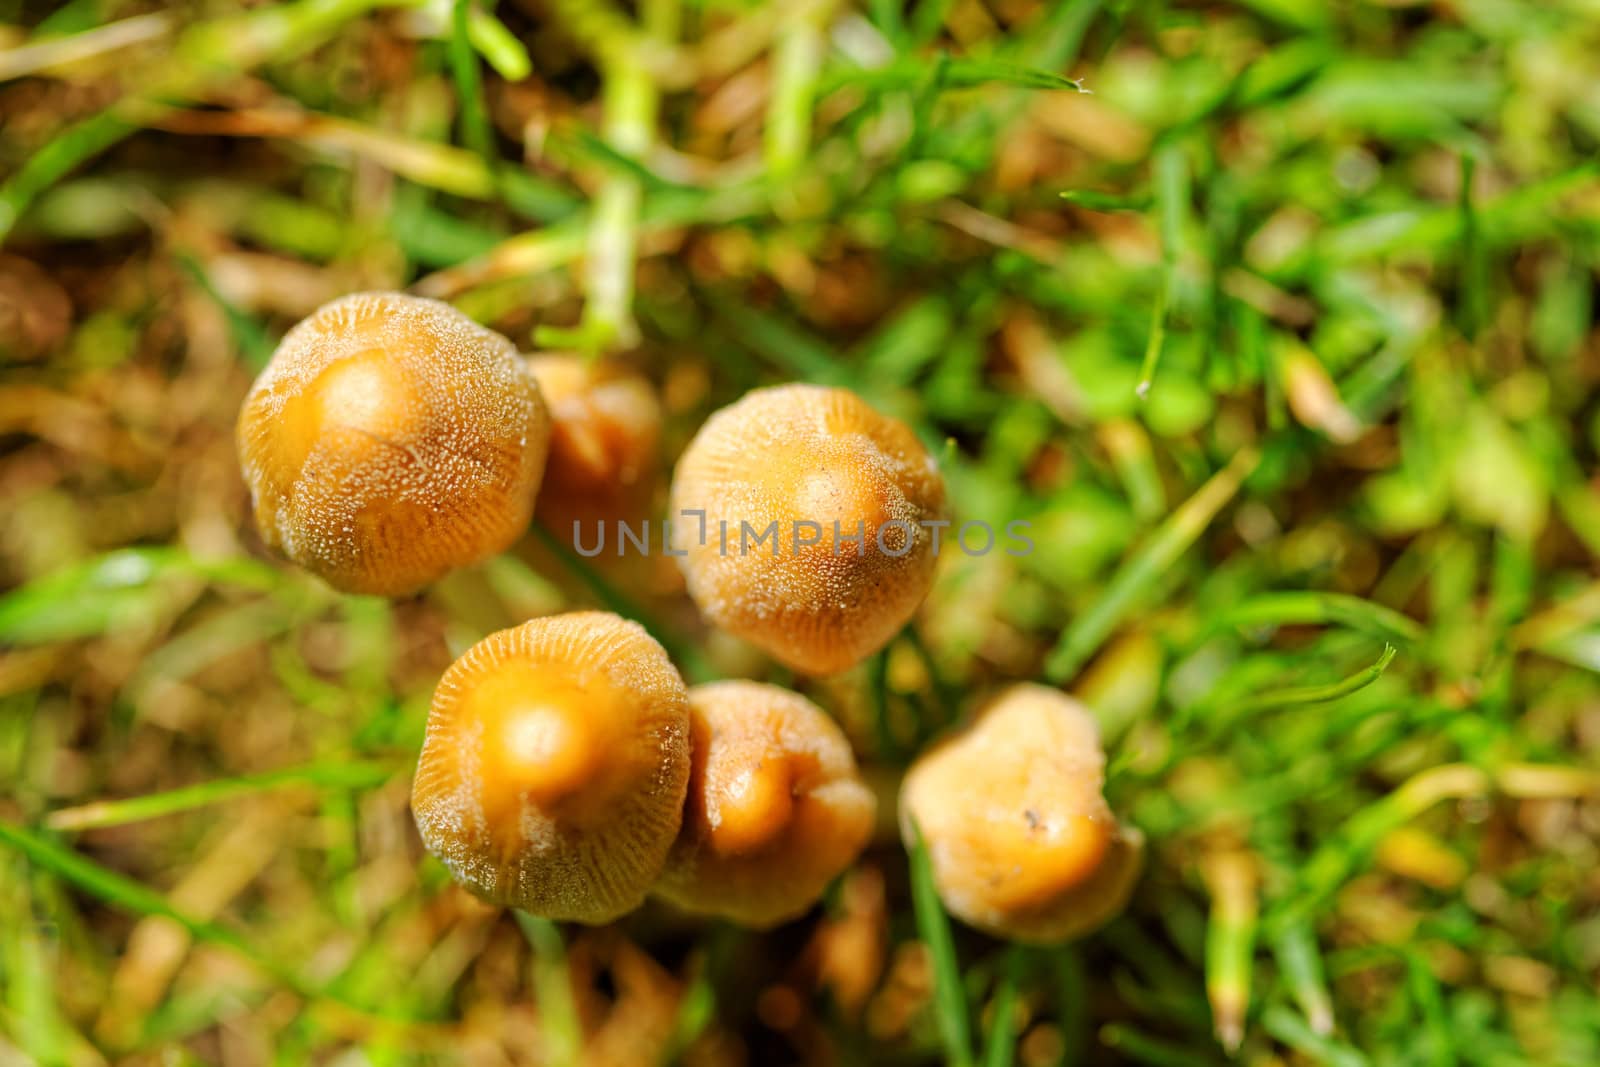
[(776, 808), (390, 440), (1021, 841), (845, 493), (605, 436), (553, 773)]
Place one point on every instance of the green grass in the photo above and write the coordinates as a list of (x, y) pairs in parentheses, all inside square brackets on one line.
[(1275, 319)]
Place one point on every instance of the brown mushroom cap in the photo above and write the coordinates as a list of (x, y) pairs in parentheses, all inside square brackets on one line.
[(776, 808), (392, 439), (795, 455), (553, 773), (1021, 841), (605, 436)]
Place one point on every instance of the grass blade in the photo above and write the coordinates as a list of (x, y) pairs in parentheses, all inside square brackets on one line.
[(1346, 850), (1230, 877), (1292, 1030), (100, 814), (55, 161), (1474, 278), (933, 927), (498, 46), (1296, 696), (561, 1030), (116, 590), (793, 350), (1000, 1050), (1140, 572), (1295, 946), (1172, 206), (1136, 1047), (797, 54), (1323, 609), (476, 130), (912, 72), (122, 891)]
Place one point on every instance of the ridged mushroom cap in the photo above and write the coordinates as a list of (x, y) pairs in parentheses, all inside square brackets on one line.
[(605, 440), (391, 439), (553, 772), (776, 808), (796, 455), (1020, 839)]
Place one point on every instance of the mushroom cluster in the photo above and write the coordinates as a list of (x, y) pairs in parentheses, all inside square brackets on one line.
[(567, 769)]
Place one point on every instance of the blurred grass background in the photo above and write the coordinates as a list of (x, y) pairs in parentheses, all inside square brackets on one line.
[(1280, 333)]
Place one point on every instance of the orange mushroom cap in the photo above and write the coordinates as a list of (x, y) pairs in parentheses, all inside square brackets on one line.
[(391, 439), (1021, 841), (553, 773), (848, 492), (776, 808), (605, 440)]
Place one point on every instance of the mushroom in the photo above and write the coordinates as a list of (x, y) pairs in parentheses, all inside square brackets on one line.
[(553, 772), (1020, 839), (605, 438), (392, 439), (808, 524), (776, 808)]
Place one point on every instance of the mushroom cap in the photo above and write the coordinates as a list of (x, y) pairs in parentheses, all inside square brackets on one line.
[(392, 439), (605, 439), (776, 807), (1020, 839), (795, 455), (553, 773)]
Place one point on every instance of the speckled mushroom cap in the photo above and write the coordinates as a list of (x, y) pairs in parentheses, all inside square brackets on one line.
[(796, 455), (776, 808), (1021, 841), (553, 772), (392, 439), (605, 440)]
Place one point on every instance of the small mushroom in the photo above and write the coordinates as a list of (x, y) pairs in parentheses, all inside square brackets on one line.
[(391, 439), (1020, 839), (553, 772), (776, 807), (605, 441), (808, 521)]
